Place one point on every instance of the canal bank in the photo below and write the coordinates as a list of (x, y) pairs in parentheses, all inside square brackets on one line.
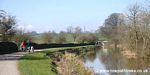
[(69, 60)]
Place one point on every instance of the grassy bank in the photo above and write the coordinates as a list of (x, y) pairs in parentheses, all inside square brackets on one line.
[(39, 64), (70, 64)]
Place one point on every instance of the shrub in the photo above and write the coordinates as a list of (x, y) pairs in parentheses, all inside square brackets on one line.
[(8, 47), (47, 37), (90, 38), (82, 39), (61, 38)]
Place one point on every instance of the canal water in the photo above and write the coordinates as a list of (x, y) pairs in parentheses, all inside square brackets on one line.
[(105, 61)]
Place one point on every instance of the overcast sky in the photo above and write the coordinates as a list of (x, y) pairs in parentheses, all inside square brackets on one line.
[(57, 15)]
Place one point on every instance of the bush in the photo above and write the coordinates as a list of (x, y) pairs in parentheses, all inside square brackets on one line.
[(61, 38), (8, 47), (90, 38), (47, 37), (82, 39)]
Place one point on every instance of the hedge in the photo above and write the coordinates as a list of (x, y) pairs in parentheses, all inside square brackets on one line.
[(8, 47), (54, 45)]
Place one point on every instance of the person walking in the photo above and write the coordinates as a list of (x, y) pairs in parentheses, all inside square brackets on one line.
[(29, 45), (24, 46)]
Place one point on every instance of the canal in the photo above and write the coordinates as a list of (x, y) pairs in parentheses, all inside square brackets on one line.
[(107, 61)]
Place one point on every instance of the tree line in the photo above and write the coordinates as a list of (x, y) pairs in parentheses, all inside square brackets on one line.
[(71, 35), (9, 32), (130, 30)]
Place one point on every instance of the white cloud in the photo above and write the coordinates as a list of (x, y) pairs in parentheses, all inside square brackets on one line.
[(28, 27)]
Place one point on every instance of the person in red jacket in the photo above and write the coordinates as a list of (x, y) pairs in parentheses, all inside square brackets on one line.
[(24, 45)]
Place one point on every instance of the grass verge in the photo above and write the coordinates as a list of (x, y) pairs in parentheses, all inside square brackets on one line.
[(36, 64)]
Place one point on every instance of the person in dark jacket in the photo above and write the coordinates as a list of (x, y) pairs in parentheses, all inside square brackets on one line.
[(29, 44)]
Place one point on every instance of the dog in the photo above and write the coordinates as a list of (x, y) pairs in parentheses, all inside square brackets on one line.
[(31, 48)]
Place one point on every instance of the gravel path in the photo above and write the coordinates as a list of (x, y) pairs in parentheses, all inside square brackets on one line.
[(8, 63)]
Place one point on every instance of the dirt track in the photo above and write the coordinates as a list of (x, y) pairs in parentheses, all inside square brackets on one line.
[(8, 63)]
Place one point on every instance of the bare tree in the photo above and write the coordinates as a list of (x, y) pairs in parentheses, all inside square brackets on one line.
[(61, 38), (74, 31), (47, 37), (70, 30), (135, 34)]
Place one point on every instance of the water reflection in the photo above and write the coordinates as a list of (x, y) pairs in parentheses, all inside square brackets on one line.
[(109, 61)]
